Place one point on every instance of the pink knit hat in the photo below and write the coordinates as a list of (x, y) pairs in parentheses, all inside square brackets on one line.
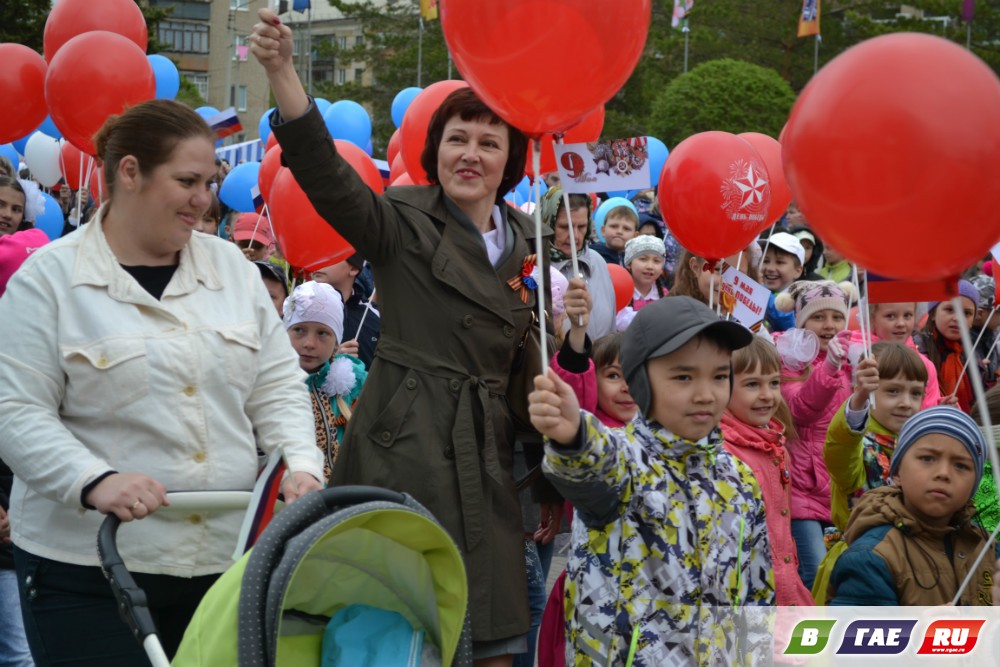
[(806, 297), (14, 249)]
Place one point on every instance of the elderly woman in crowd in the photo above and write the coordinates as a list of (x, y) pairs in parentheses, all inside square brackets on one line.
[(139, 357), (434, 419)]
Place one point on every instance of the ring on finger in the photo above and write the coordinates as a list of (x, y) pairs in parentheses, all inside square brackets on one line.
[(135, 504)]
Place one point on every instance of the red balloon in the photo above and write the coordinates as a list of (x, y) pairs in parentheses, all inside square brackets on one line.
[(770, 152), (392, 150), (413, 133), (271, 142), (714, 194), (584, 65), (98, 188), (397, 168), (70, 18), (269, 167), (305, 239), (621, 279), (588, 129), (891, 151), (70, 164), (403, 179), (93, 76), (22, 85)]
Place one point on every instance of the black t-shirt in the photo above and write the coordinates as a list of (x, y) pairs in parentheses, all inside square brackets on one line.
[(154, 279)]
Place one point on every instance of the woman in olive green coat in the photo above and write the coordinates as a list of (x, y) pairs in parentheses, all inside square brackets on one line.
[(433, 419)]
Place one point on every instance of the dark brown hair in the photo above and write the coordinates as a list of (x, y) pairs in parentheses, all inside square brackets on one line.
[(992, 406), (466, 105), (607, 350), (626, 212), (8, 182), (895, 360), (761, 355), (214, 210), (149, 131), (6, 168), (686, 278)]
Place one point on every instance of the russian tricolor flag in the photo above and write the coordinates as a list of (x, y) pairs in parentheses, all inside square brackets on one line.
[(225, 123), (258, 198)]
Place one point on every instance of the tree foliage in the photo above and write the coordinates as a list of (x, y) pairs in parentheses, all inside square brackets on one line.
[(725, 94), (23, 22)]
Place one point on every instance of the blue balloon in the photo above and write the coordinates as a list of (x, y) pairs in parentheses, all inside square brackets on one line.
[(168, 79), (48, 126), (9, 152), (322, 105), (22, 144), (401, 102), (602, 212), (657, 158), (206, 112), (264, 126), (369, 148), (235, 190), (50, 220), (349, 121)]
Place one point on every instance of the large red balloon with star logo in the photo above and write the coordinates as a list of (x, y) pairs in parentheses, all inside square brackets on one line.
[(892, 153), (714, 194)]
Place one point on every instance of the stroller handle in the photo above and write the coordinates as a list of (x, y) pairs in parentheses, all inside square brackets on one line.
[(132, 604)]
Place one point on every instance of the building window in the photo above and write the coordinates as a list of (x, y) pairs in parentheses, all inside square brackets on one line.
[(359, 40), (342, 41), (180, 37), (358, 72), (341, 76), (200, 81), (241, 98), (239, 5)]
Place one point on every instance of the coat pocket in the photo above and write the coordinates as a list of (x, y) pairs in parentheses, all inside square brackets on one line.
[(241, 346), (387, 425), (109, 373)]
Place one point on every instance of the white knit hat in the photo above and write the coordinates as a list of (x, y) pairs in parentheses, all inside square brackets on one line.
[(640, 245), (315, 302)]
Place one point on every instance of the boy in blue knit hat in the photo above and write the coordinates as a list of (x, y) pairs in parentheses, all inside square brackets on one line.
[(914, 543)]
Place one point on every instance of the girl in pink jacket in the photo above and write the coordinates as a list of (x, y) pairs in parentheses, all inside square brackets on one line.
[(813, 395), (755, 426)]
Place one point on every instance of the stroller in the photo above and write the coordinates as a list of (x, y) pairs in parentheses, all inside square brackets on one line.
[(331, 549)]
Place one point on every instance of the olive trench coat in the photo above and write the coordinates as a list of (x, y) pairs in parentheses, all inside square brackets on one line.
[(432, 419)]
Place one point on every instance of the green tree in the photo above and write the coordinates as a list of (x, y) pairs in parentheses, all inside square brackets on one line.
[(23, 22), (390, 49), (725, 94)]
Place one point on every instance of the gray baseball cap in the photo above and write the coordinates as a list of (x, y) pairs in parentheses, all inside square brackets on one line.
[(663, 327)]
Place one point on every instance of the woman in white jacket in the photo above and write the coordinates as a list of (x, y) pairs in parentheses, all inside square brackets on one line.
[(139, 356)]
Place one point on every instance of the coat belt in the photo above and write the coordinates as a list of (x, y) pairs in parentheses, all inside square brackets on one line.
[(463, 431)]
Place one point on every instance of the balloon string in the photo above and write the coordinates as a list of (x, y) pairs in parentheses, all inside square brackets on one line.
[(558, 138), (984, 415), (711, 286), (862, 320), (368, 307), (540, 256), (968, 357), (767, 244)]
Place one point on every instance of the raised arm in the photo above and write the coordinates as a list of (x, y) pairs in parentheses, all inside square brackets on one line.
[(271, 43)]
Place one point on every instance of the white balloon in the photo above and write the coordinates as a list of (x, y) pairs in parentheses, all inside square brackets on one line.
[(41, 154)]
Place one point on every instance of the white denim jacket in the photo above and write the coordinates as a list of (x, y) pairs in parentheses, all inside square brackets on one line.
[(97, 375)]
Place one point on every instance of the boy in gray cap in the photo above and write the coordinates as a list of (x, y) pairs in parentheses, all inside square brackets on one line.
[(913, 543), (670, 532)]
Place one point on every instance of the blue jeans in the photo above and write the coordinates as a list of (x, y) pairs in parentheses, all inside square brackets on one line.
[(13, 644), (808, 536), (537, 558)]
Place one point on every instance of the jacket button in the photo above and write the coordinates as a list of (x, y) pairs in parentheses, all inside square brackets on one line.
[(961, 554), (190, 391), (508, 331), (195, 519), (386, 436), (411, 383), (777, 462), (200, 457), (454, 385), (102, 362), (467, 321), (788, 559), (784, 511), (449, 452)]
